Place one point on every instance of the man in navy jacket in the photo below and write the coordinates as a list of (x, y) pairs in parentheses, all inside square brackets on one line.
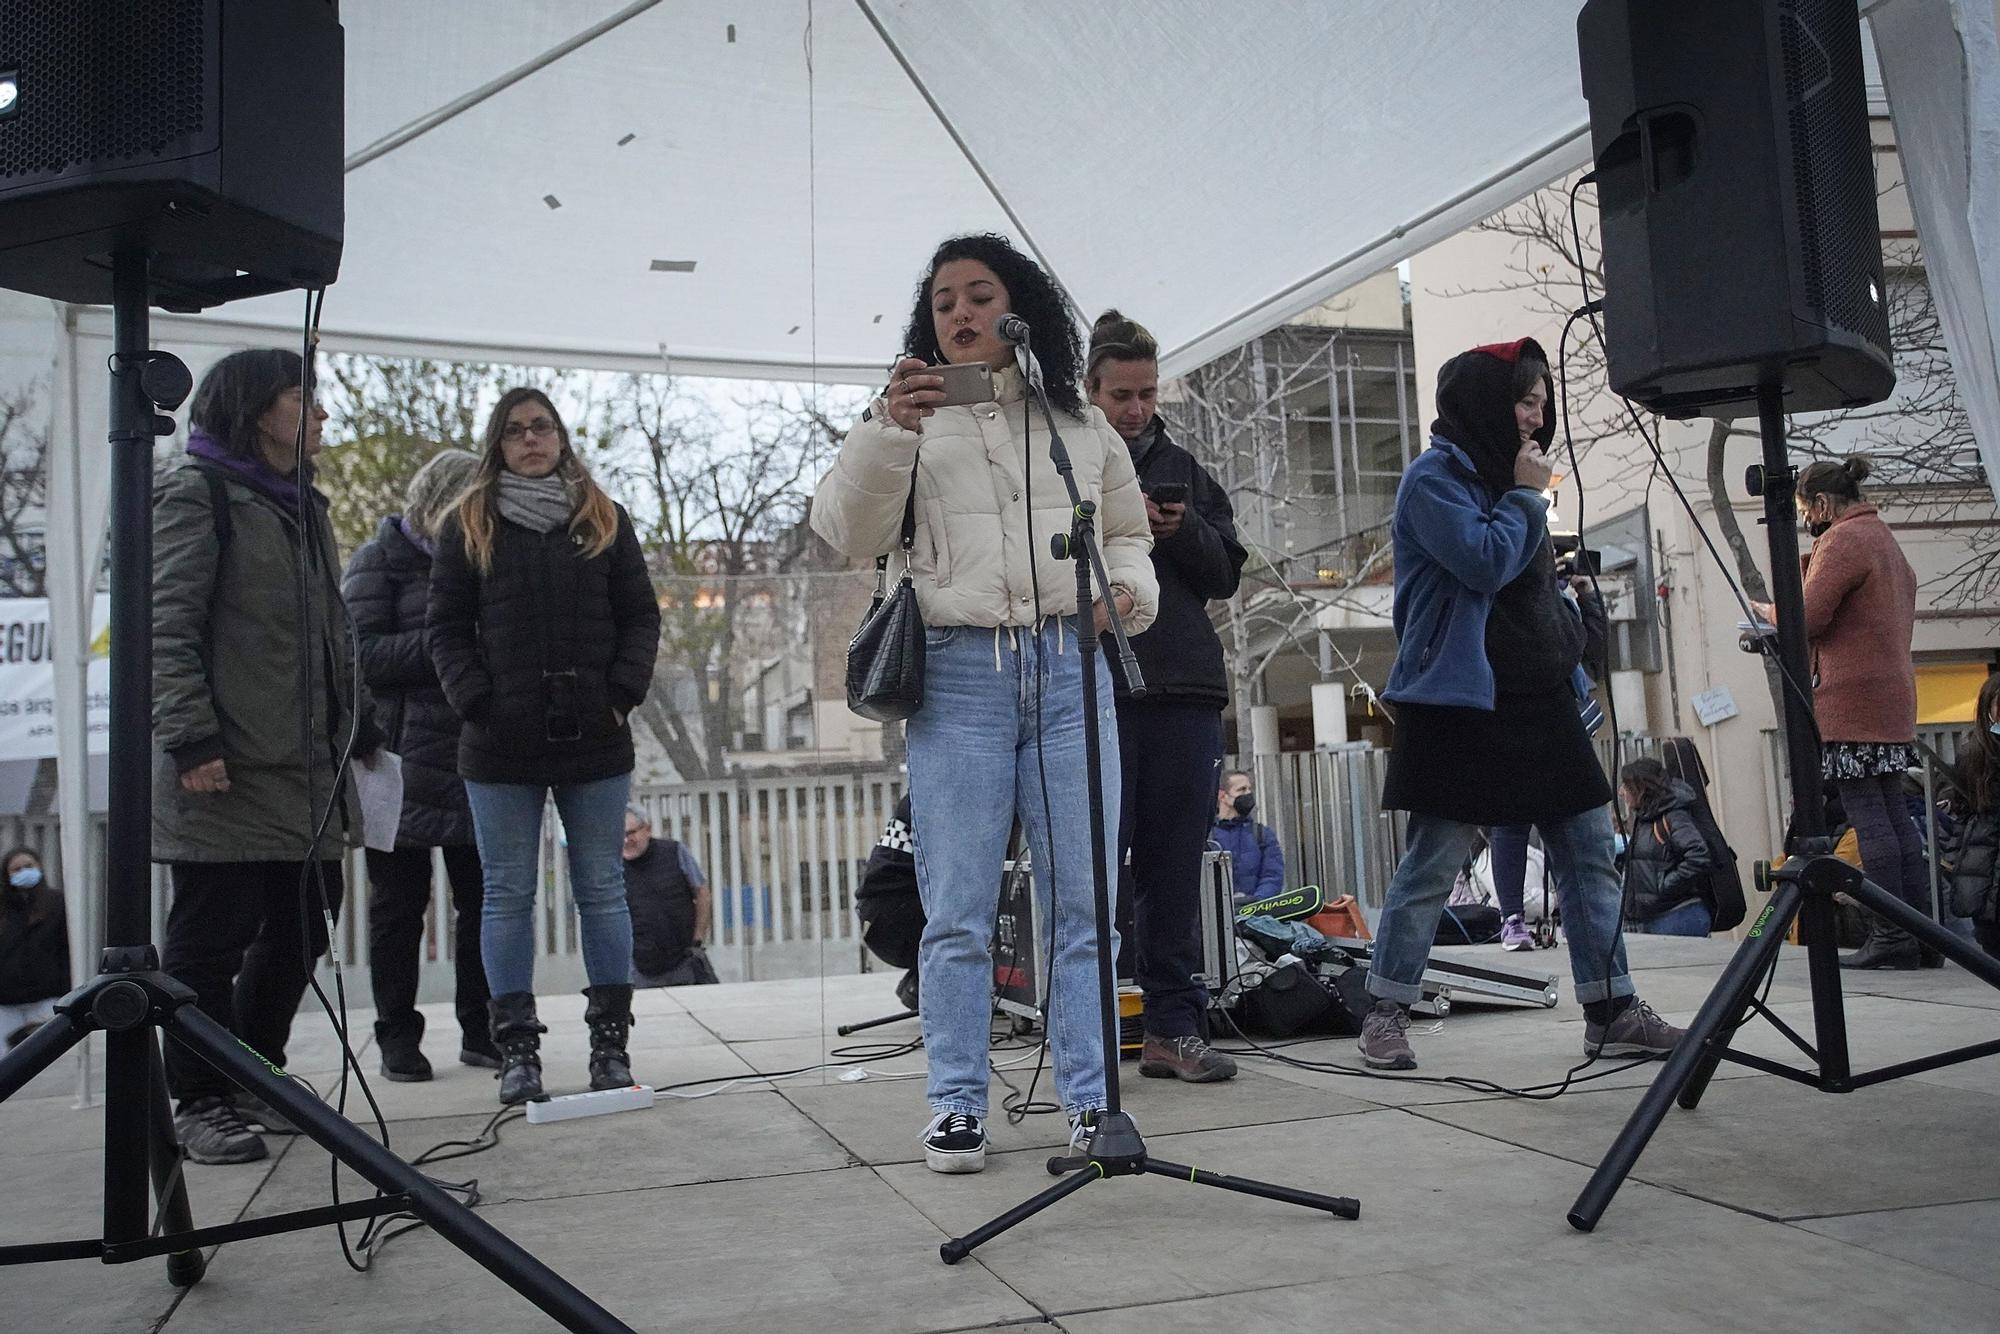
[(1256, 862)]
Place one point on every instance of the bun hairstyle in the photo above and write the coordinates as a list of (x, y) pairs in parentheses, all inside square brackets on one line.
[(1841, 480), (1115, 338)]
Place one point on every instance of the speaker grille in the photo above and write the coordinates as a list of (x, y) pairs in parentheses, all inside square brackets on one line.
[(103, 83), (1840, 243)]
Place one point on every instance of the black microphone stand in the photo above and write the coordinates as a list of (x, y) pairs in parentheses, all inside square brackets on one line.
[(1116, 1148), (130, 997), (1803, 888)]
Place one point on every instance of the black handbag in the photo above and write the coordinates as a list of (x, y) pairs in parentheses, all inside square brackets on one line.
[(885, 659)]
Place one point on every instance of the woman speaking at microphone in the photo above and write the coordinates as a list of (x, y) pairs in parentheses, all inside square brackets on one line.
[(1487, 683), (1000, 734)]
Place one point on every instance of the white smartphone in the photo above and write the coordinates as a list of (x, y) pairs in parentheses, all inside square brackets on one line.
[(971, 383)]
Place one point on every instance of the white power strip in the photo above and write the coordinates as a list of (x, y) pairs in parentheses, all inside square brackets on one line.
[(595, 1103)]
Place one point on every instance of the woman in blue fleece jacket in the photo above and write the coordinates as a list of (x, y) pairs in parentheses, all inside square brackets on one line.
[(1487, 682)]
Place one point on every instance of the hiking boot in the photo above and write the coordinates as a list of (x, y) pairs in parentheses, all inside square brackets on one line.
[(401, 1048), (261, 1116), (609, 1015), (1637, 1031), (211, 1131), (1385, 1038), (955, 1142), (518, 1035), (1187, 1059), (1514, 934)]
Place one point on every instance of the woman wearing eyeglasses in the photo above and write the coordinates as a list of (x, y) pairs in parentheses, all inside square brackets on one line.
[(543, 628)]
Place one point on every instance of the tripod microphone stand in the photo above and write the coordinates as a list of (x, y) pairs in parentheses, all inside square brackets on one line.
[(1803, 888), (1116, 1148), (130, 996)]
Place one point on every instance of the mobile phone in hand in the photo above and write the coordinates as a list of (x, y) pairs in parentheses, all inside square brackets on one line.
[(1169, 493)]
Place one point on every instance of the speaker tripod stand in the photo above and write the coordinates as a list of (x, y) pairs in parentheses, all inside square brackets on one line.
[(1116, 1148), (1802, 889), (130, 997)]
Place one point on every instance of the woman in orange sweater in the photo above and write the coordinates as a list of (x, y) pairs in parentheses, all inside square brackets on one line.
[(1861, 608)]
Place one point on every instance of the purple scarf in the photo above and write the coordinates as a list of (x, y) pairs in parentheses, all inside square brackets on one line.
[(256, 474), (416, 539)]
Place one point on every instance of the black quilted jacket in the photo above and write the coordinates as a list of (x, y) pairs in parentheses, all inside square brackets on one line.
[(506, 642), (388, 592)]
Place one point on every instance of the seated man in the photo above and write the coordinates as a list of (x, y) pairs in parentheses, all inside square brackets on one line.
[(1256, 862), (671, 906), (892, 916)]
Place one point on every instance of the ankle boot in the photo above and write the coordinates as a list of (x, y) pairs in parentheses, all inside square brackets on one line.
[(1886, 947), (519, 1037), (609, 1015)]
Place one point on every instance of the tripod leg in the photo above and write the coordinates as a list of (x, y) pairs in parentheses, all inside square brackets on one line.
[(1953, 946), (959, 1247), (37, 1052), (1722, 1006), (1339, 1206), (1736, 1006), (184, 1268), (473, 1235)]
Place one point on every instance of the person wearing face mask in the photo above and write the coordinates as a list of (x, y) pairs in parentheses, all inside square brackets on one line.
[(255, 703), (1169, 742), (1000, 733), (1973, 857), (34, 947), (1861, 615), (544, 627), (1256, 861), (1487, 681)]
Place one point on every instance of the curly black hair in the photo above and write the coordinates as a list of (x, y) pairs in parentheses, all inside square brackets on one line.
[(1032, 295)]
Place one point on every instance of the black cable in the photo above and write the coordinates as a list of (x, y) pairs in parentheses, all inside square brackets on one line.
[(1799, 693), (312, 880), (1660, 466)]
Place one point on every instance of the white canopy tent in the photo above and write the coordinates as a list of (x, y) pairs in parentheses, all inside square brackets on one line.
[(751, 189)]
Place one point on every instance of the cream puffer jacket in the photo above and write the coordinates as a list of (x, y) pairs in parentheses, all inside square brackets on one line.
[(974, 537)]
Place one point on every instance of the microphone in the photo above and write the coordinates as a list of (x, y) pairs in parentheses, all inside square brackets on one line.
[(1011, 328)]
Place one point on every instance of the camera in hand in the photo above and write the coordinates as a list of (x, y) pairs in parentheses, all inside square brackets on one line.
[(1574, 558), (1169, 493)]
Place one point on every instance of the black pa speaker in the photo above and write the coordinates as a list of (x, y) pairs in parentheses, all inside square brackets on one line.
[(1736, 187), (208, 132)]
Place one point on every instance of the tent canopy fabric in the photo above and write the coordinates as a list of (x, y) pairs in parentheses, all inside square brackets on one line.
[(1212, 168)]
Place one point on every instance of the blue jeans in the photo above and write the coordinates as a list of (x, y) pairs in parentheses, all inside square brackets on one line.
[(1509, 846), (507, 822), (1690, 919), (978, 748), (1579, 853)]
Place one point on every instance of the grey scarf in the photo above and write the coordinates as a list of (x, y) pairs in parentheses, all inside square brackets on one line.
[(541, 504), (1142, 445)]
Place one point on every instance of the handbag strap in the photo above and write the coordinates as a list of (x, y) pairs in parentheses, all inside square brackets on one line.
[(909, 529)]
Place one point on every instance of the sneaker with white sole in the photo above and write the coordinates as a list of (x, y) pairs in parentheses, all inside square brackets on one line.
[(955, 1142), (1514, 934), (1385, 1038), (1637, 1031), (1082, 1127)]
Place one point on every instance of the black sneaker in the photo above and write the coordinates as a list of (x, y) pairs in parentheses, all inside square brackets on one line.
[(262, 1117), (955, 1142), (211, 1131)]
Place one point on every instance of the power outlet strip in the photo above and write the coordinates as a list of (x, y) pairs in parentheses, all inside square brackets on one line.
[(595, 1103)]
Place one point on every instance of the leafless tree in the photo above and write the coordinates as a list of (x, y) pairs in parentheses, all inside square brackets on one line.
[(24, 491), (720, 508)]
